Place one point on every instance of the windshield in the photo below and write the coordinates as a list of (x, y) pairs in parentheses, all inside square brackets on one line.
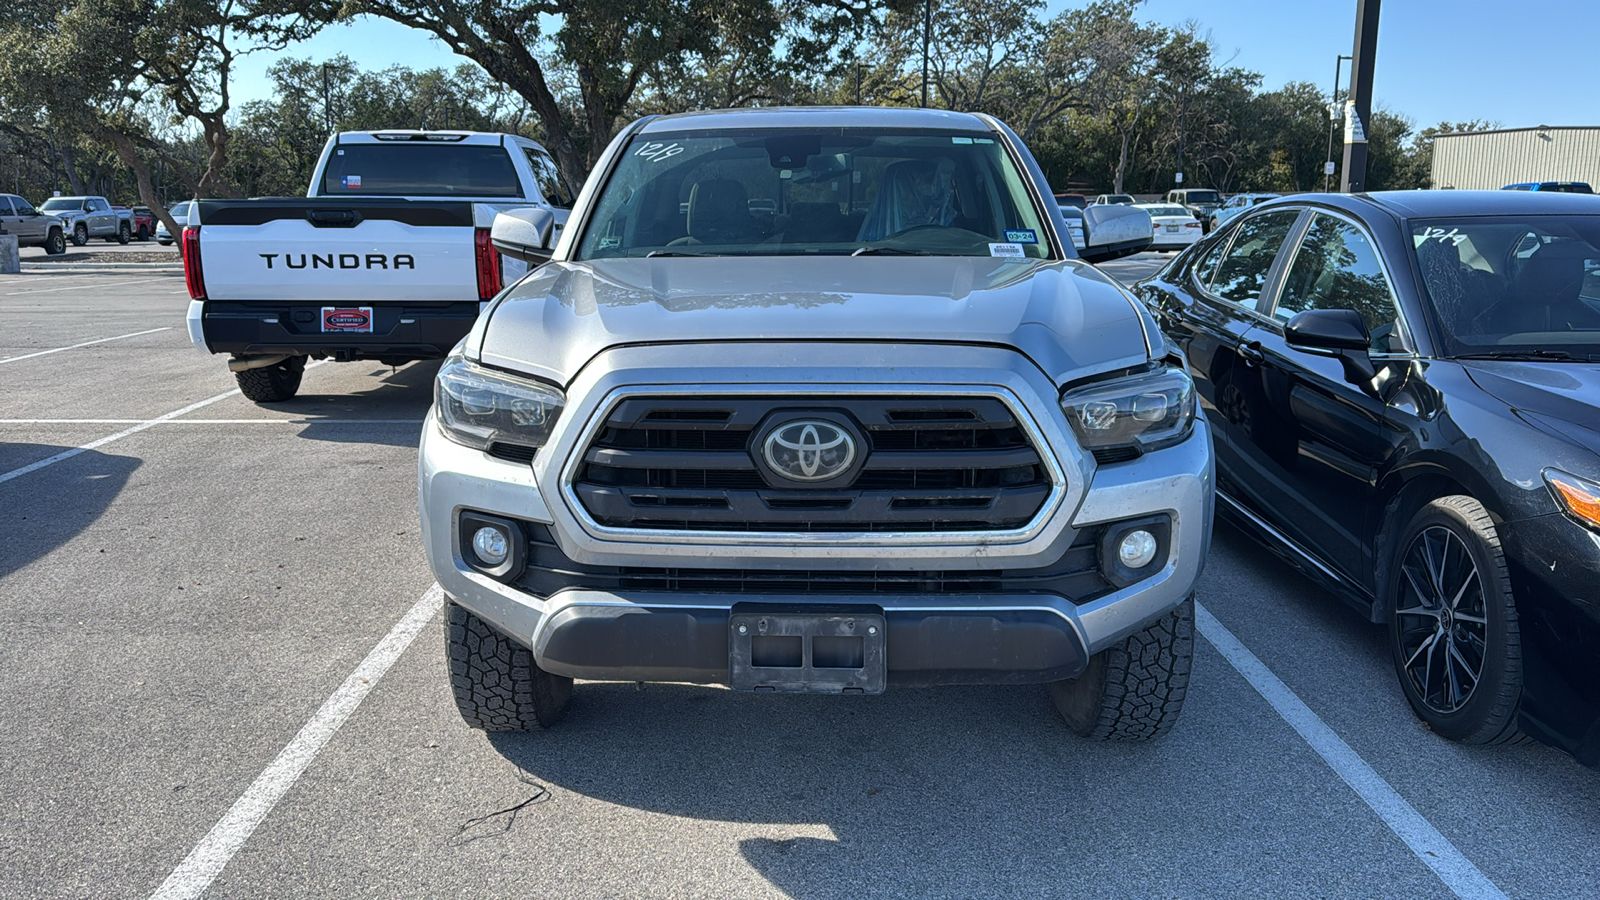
[(1167, 211), (1513, 285), (58, 204), (417, 169), (1203, 197), (836, 191)]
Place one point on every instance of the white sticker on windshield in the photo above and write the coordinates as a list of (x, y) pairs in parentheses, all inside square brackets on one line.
[(656, 151), (1439, 234), (960, 140), (1010, 251)]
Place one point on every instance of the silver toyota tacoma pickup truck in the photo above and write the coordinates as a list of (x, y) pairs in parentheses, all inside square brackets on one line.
[(817, 400)]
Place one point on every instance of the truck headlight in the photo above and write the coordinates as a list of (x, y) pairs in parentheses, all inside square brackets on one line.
[(478, 406), (1147, 411)]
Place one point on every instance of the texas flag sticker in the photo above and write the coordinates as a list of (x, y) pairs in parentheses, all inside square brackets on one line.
[(352, 181)]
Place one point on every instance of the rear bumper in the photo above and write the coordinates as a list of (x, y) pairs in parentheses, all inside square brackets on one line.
[(399, 330)]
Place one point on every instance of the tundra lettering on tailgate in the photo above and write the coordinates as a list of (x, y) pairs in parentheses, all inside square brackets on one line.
[(342, 260)]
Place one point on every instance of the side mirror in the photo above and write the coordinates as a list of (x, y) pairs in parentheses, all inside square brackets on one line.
[(524, 233), (1338, 333), (1112, 231)]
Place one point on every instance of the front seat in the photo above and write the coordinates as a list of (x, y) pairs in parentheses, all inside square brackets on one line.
[(1544, 296), (719, 213), (914, 192)]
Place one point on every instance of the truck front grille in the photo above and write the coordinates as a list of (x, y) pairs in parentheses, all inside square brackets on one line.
[(929, 465)]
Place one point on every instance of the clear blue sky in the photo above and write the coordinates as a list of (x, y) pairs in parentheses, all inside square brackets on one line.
[(1521, 64)]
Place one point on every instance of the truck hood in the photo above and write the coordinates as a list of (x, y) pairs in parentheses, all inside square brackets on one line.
[(1068, 317)]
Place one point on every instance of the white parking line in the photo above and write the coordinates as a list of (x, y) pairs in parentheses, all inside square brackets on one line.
[(79, 287), (84, 344), (214, 421), (208, 858), (1432, 848), (146, 424)]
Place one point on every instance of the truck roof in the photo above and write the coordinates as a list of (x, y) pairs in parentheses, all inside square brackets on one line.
[(817, 117), (402, 135)]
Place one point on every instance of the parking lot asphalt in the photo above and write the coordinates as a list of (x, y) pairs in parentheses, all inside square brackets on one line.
[(186, 578)]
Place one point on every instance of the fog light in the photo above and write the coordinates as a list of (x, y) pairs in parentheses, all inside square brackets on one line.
[(1137, 549), (492, 547)]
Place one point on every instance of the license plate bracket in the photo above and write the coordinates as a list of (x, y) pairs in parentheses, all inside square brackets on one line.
[(812, 652), (357, 319)]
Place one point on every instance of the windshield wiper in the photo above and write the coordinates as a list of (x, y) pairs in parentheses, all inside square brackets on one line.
[(1536, 354), (889, 251), (654, 253)]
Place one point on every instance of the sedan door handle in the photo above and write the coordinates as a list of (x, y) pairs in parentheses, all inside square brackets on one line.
[(1251, 351)]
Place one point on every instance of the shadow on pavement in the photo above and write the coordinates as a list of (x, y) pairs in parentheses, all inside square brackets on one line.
[(392, 407), (42, 510)]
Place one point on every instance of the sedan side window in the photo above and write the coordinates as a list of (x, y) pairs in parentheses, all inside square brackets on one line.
[(1338, 268), (1243, 271)]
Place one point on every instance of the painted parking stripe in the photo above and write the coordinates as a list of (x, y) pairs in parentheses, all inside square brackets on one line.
[(84, 344), (135, 429), (1432, 848), (83, 286), (208, 858), (215, 421)]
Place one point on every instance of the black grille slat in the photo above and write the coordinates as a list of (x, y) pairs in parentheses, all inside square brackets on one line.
[(695, 458)]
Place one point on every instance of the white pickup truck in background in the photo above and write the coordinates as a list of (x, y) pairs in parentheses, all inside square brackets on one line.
[(387, 258)]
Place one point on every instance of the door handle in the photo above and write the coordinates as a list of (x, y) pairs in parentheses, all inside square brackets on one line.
[(1251, 351)]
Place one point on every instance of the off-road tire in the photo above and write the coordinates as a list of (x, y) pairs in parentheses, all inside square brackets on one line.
[(497, 684), (80, 234), (143, 235), (1490, 713), (124, 234), (1133, 691), (274, 383), (55, 243)]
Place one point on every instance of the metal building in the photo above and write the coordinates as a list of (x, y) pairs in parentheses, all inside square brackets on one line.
[(1488, 160)]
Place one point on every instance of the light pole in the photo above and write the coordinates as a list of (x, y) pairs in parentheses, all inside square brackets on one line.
[(1359, 109), (327, 95), (1333, 121), (927, 37)]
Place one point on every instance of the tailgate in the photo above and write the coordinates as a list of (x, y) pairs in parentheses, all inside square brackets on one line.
[(337, 250)]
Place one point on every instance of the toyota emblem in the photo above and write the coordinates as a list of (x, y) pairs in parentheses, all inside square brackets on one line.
[(809, 450)]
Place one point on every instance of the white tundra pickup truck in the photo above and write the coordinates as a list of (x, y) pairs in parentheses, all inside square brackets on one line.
[(387, 258)]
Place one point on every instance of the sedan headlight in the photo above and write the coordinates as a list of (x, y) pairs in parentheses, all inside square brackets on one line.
[(1147, 411), (1578, 497), (478, 407)]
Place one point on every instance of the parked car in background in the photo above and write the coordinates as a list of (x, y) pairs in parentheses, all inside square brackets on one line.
[(1175, 227), (91, 217), (32, 227), (1077, 201), (180, 214), (1113, 200), (1202, 202), (1235, 205), (144, 223), (1560, 187), (1406, 394)]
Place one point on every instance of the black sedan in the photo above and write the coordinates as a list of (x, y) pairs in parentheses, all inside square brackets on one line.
[(1405, 395)]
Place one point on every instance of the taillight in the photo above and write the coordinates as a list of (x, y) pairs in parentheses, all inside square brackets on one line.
[(488, 266), (1191, 224), (192, 276)]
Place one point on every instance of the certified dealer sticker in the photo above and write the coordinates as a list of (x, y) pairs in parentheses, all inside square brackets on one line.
[(347, 318)]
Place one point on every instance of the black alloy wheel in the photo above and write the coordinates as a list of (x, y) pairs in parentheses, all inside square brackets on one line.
[(124, 233), (1454, 633), (80, 234), (56, 243)]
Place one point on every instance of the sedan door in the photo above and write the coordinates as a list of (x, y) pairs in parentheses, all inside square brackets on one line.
[(1320, 488), (1209, 311)]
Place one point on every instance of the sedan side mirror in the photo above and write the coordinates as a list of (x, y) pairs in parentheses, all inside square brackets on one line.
[(1111, 231), (1339, 333), (524, 233)]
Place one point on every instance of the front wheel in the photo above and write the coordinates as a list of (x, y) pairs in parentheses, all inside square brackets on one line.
[(143, 235), (80, 234), (1453, 633), (56, 243), (124, 233), (274, 383), (497, 684), (1135, 690)]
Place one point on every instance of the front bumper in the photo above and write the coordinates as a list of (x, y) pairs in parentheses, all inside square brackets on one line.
[(933, 638), (401, 330)]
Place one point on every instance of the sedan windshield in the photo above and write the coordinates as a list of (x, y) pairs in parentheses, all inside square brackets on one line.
[(1514, 286), (835, 191), (61, 204)]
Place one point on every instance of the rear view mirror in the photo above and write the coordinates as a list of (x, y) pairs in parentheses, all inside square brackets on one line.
[(1339, 333), (1112, 231), (524, 233)]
